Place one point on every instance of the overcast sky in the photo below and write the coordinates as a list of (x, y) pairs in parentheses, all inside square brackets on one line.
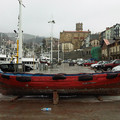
[(95, 15)]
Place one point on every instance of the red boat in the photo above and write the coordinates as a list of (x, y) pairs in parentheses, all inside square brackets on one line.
[(36, 84)]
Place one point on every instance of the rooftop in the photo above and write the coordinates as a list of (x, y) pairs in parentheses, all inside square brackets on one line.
[(77, 31)]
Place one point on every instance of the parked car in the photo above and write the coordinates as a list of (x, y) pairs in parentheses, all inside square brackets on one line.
[(80, 63), (98, 67), (12, 68), (89, 63), (109, 66), (71, 63), (65, 61), (75, 61), (98, 63), (117, 68)]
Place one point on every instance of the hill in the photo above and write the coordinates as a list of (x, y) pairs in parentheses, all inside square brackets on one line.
[(27, 38)]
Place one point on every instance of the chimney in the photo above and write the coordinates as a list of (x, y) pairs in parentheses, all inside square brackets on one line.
[(107, 28)]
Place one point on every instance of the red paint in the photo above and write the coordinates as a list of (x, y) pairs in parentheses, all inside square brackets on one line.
[(71, 82), (90, 63)]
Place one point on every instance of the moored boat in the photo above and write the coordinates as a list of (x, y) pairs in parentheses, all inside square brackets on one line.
[(37, 84)]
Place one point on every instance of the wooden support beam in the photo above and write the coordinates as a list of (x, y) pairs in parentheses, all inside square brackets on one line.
[(16, 98), (99, 98), (55, 97)]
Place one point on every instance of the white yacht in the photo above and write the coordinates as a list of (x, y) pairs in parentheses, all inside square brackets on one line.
[(4, 59), (32, 62)]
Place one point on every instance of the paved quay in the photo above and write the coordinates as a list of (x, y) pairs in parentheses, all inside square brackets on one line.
[(65, 68), (84, 108), (75, 107)]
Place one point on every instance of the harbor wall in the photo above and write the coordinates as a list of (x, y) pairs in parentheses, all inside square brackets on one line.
[(72, 55)]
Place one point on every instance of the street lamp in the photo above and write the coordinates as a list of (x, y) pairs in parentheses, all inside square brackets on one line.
[(51, 58), (58, 50)]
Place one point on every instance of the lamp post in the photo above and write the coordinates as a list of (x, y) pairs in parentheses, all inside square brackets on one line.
[(58, 50), (63, 50), (51, 57)]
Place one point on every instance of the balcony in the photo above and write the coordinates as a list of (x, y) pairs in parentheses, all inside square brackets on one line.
[(115, 53), (112, 53), (118, 52)]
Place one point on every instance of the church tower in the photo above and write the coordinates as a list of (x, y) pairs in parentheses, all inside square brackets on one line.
[(79, 26)]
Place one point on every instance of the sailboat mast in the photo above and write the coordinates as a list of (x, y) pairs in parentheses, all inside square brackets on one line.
[(20, 32)]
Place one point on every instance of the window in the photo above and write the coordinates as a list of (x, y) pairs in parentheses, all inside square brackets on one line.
[(118, 61)]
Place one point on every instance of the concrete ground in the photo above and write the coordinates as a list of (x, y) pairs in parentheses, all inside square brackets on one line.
[(65, 68), (76, 107), (84, 108)]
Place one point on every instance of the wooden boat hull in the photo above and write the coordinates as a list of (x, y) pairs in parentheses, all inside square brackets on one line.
[(37, 84)]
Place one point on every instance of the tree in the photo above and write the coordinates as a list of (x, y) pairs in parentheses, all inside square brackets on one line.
[(44, 45), (96, 53)]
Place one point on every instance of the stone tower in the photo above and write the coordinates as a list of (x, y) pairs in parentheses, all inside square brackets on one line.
[(79, 26)]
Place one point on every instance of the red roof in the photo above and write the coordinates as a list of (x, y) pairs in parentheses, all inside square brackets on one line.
[(106, 42), (77, 31)]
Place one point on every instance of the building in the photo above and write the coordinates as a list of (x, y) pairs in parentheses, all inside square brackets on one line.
[(110, 42), (87, 41), (67, 47), (114, 50), (108, 33), (55, 43), (74, 37), (111, 49), (94, 40), (116, 31)]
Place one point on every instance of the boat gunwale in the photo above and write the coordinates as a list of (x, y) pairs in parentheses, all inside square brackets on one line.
[(50, 75)]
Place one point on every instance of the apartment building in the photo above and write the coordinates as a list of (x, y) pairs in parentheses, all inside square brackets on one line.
[(110, 42)]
